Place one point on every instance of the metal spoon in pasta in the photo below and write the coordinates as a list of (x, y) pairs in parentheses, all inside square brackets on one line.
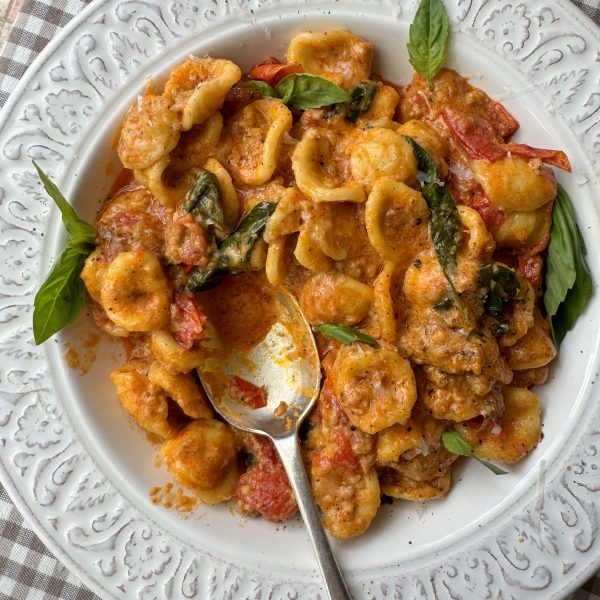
[(285, 364)]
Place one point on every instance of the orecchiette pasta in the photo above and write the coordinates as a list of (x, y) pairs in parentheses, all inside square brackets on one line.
[(376, 387), (315, 176), (515, 184), (145, 402), (257, 132), (395, 213), (427, 319), (510, 436), (335, 298), (135, 292), (380, 152), (198, 88), (150, 131), (203, 456), (337, 55)]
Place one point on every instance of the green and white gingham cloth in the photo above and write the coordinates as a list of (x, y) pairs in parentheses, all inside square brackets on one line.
[(28, 570)]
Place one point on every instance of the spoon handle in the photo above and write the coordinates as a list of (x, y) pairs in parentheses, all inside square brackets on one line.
[(289, 453)]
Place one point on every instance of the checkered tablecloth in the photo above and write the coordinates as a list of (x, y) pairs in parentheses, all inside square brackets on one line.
[(28, 570)]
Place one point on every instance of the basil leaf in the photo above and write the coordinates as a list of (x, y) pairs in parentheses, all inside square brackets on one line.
[(495, 469), (427, 38), (234, 252), (203, 200), (499, 284), (263, 87), (345, 335), (61, 297), (568, 281), (361, 98), (83, 232), (237, 248), (454, 442), (443, 224), (304, 90)]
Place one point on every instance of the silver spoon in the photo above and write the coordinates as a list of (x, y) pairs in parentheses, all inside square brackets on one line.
[(286, 363)]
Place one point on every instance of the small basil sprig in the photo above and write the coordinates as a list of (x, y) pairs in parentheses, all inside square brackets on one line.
[(427, 38), (60, 298), (361, 98), (345, 335), (568, 280), (499, 284), (234, 252), (302, 91), (444, 224), (203, 200), (454, 442)]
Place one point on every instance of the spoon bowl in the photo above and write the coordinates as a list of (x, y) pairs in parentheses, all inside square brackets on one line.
[(284, 366)]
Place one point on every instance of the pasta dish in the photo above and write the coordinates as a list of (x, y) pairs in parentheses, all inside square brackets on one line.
[(399, 215)]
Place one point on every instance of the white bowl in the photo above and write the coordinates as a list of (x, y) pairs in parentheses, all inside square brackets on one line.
[(79, 469)]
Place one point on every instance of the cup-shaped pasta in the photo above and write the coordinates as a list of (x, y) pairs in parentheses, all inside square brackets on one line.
[(382, 109), (183, 389), (397, 485), (308, 253), (172, 354), (382, 317), (150, 131), (93, 273), (379, 152), (142, 400), (135, 292), (335, 298), (348, 499), (375, 386), (396, 218), (429, 138), (198, 87), (152, 178), (257, 133), (337, 55), (511, 436), (194, 148), (229, 198), (514, 184), (460, 397), (287, 217), (316, 174), (524, 229), (277, 261), (203, 457), (520, 314), (419, 434), (427, 339), (476, 242), (170, 178), (534, 349), (132, 219)]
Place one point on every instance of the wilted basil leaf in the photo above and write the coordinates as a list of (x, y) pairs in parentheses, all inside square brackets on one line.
[(234, 252), (454, 442), (499, 284), (203, 200), (345, 335)]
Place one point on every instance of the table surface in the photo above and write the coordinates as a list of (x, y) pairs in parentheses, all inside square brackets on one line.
[(28, 570)]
